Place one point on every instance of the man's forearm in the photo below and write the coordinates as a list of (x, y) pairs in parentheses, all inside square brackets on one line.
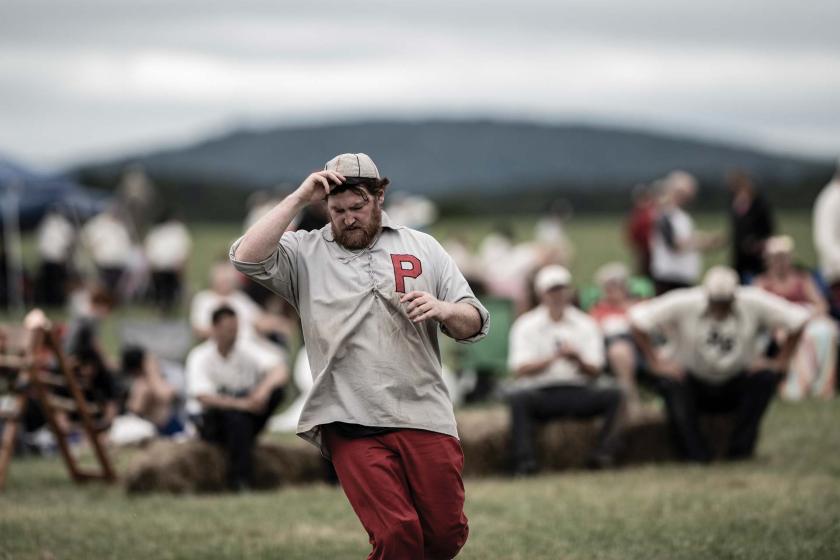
[(643, 342), (261, 239), (464, 321), (222, 401)]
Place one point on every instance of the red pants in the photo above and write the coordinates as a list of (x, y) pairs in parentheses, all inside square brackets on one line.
[(406, 488)]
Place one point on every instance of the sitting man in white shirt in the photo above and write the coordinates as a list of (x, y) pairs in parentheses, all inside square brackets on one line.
[(718, 363), (231, 394), (555, 353)]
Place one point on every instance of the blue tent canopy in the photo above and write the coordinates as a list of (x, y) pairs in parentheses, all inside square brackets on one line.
[(37, 193)]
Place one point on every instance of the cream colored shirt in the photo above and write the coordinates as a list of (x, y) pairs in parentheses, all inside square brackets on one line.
[(716, 350), (370, 364), (535, 336)]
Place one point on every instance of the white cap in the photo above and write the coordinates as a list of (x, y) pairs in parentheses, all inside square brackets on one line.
[(779, 244), (720, 283), (611, 272), (551, 276), (353, 165)]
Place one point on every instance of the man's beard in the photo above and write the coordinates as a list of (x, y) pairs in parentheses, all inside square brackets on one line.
[(359, 237)]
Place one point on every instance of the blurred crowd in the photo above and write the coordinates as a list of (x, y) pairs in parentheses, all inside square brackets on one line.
[(656, 334)]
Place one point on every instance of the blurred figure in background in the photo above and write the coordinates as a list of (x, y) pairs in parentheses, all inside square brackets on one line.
[(268, 333), (610, 312), (550, 234), (56, 240), (137, 197), (813, 369), (167, 247), (827, 238), (150, 396), (640, 227), (676, 246), (555, 353), (107, 238), (751, 223), (718, 363), (232, 395)]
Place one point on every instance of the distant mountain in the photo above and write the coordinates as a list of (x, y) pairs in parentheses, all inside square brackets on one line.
[(456, 159)]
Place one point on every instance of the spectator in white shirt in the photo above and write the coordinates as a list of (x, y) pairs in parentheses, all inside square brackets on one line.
[(107, 238), (56, 240), (676, 246), (556, 351), (718, 362), (231, 395), (827, 237), (167, 248)]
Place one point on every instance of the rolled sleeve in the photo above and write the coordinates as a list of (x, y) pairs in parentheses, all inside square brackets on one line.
[(485, 322), (277, 272)]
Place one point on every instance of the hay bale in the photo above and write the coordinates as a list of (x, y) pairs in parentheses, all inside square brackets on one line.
[(566, 443), (195, 467)]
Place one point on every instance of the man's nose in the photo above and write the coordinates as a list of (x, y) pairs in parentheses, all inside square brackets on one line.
[(349, 220)]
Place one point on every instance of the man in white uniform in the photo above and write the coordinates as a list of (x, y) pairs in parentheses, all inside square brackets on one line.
[(556, 351), (827, 237), (371, 296), (718, 363), (231, 395)]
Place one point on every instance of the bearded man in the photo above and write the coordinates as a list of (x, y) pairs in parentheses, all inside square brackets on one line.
[(371, 295)]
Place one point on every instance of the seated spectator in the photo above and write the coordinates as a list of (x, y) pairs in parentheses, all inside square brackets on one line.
[(813, 368), (231, 394), (90, 307), (718, 364), (150, 396), (610, 312), (167, 248), (556, 351)]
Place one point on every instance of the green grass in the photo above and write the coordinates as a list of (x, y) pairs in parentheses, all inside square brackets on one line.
[(785, 504)]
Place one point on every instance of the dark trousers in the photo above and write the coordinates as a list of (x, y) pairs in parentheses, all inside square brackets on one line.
[(236, 431), (52, 284), (529, 406), (665, 286), (746, 395), (166, 288)]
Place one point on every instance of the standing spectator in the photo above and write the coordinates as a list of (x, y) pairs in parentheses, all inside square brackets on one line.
[(813, 369), (610, 312), (827, 238), (640, 227), (675, 244), (109, 242), (167, 248), (718, 363), (56, 240), (232, 395), (751, 223), (555, 352)]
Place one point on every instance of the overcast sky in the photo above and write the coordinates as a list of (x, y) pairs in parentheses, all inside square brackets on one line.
[(82, 79)]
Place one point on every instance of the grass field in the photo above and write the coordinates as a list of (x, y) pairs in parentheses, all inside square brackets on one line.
[(785, 504)]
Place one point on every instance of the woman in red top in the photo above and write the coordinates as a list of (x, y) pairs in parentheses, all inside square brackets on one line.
[(610, 312), (813, 368)]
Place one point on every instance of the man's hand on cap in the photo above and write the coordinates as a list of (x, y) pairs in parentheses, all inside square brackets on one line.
[(318, 185)]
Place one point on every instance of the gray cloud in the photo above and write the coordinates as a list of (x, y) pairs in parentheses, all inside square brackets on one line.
[(91, 77)]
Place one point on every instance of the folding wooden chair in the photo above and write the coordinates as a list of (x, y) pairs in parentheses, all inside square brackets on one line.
[(29, 373)]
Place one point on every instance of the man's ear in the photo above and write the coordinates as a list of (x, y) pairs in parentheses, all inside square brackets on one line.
[(381, 197)]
